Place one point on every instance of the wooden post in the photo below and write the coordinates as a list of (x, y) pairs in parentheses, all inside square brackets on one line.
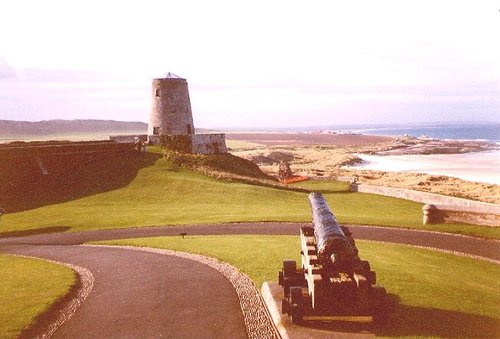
[(353, 184), (432, 215)]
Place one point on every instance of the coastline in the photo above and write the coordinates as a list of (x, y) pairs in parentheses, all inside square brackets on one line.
[(483, 167), (335, 158)]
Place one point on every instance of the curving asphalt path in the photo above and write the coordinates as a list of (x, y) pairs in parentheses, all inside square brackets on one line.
[(144, 295), (485, 248), (139, 294)]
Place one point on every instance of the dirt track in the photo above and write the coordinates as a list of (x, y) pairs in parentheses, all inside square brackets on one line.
[(138, 294)]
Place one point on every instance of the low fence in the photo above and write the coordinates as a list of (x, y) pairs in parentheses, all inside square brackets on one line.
[(446, 209)]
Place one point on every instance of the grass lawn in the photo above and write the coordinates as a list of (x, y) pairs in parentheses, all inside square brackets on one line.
[(240, 144), (27, 288), (440, 295), (402, 215), (163, 194)]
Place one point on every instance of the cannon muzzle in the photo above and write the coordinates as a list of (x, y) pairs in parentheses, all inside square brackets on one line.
[(333, 245)]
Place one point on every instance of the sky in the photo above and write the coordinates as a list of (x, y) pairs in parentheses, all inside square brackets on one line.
[(253, 63)]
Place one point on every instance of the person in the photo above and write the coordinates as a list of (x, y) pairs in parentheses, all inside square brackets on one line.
[(139, 145), (284, 171)]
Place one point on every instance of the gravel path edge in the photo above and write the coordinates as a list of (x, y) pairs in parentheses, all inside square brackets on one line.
[(442, 250), (68, 304)]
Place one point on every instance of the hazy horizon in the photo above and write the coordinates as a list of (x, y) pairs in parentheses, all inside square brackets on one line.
[(254, 65), (306, 127)]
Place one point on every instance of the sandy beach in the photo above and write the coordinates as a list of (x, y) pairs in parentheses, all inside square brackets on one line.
[(467, 169), (481, 167)]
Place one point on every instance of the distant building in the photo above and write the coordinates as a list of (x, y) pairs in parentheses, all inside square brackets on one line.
[(171, 121)]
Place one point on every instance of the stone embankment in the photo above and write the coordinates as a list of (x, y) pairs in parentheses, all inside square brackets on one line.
[(447, 209)]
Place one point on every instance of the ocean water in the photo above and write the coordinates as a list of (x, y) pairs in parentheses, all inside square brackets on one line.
[(490, 132), (481, 167)]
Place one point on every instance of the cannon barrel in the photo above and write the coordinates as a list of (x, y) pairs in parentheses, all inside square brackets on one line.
[(338, 282), (331, 242)]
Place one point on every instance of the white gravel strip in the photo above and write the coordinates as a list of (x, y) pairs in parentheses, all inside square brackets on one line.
[(462, 254), (86, 279), (258, 321), (425, 231)]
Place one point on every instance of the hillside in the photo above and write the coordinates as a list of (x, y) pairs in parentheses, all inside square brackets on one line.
[(68, 176), (102, 190), (9, 128), (44, 174)]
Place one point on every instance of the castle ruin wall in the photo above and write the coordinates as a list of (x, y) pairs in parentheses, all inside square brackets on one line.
[(209, 143)]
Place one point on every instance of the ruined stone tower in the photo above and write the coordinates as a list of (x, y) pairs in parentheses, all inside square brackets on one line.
[(171, 120), (171, 108)]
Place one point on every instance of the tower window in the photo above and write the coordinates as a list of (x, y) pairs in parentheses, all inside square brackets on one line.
[(157, 92), (156, 130)]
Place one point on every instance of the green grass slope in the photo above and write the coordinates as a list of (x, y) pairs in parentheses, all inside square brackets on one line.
[(70, 176), (168, 191), (439, 294), (28, 287)]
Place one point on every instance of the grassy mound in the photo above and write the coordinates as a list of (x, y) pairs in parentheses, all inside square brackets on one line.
[(164, 194), (217, 164), (69, 176), (149, 190)]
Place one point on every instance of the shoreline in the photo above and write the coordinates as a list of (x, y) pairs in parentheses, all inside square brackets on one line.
[(335, 159), (482, 167)]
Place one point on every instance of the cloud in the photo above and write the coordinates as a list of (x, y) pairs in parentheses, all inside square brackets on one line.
[(261, 62)]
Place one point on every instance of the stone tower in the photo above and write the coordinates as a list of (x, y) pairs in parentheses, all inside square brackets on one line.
[(171, 108), (171, 120)]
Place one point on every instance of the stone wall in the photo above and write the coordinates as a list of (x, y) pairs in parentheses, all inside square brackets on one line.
[(181, 143), (451, 209), (123, 139), (436, 214), (209, 143), (195, 143)]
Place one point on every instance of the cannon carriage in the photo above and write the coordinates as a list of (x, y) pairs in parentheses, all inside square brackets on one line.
[(332, 282)]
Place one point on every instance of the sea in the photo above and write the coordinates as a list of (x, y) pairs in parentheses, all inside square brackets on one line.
[(470, 131), (483, 167)]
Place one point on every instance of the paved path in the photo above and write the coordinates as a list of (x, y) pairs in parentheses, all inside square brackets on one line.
[(145, 295), (468, 245), (138, 294)]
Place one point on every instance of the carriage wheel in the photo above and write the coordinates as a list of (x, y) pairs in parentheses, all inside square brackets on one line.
[(380, 305), (296, 304), (289, 268), (285, 306)]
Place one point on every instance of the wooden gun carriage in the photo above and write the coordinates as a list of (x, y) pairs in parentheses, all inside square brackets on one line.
[(333, 281)]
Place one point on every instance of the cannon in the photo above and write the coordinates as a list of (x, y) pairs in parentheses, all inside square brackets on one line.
[(333, 283)]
